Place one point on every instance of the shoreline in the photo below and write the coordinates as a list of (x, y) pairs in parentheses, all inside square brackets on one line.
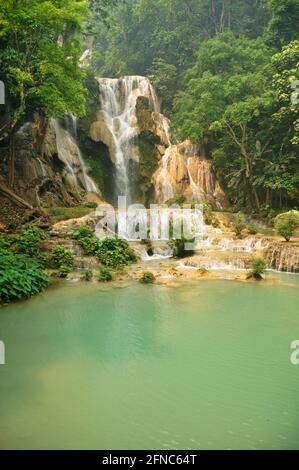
[(172, 273)]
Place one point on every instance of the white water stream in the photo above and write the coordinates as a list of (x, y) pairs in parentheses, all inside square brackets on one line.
[(118, 105)]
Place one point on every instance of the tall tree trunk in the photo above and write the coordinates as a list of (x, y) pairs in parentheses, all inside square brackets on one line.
[(256, 197), (11, 161), (222, 18)]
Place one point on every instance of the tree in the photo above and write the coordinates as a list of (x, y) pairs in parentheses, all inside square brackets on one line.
[(39, 60), (258, 267), (163, 76), (286, 85), (227, 93), (283, 27), (286, 224), (142, 32), (40, 50)]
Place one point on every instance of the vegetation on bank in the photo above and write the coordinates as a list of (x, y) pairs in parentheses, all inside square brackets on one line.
[(21, 265), (105, 275), (147, 278), (25, 265), (258, 268), (114, 253), (20, 277), (286, 224)]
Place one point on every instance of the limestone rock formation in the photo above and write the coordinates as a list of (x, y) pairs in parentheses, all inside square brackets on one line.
[(182, 171), (283, 256), (49, 169)]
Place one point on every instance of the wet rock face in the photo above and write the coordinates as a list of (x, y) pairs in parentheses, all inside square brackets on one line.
[(40, 176), (284, 257), (153, 122), (182, 171), (43, 175)]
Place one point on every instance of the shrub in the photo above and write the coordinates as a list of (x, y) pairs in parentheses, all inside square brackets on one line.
[(20, 277), (252, 228), (115, 253), (87, 275), (60, 256), (105, 275), (64, 270), (286, 224), (147, 278), (238, 225), (28, 240), (89, 246), (5, 244), (87, 240), (82, 233), (258, 267)]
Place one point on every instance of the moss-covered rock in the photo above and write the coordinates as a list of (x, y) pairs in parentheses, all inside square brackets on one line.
[(144, 115), (149, 160)]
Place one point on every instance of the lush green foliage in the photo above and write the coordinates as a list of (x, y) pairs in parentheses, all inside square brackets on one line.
[(286, 224), (283, 26), (83, 232), (105, 275), (258, 267), (112, 252), (238, 98), (40, 49), (21, 272), (64, 270), (28, 240), (20, 276), (61, 257), (147, 278), (115, 253), (159, 38), (86, 238)]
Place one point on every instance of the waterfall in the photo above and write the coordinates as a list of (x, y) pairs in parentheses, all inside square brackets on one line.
[(70, 154), (166, 185), (118, 106)]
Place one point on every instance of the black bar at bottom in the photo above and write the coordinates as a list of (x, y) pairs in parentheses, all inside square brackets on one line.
[(134, 459)]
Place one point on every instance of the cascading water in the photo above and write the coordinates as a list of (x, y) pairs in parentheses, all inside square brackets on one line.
[(165, 183), (118, 106), (70, 154)]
